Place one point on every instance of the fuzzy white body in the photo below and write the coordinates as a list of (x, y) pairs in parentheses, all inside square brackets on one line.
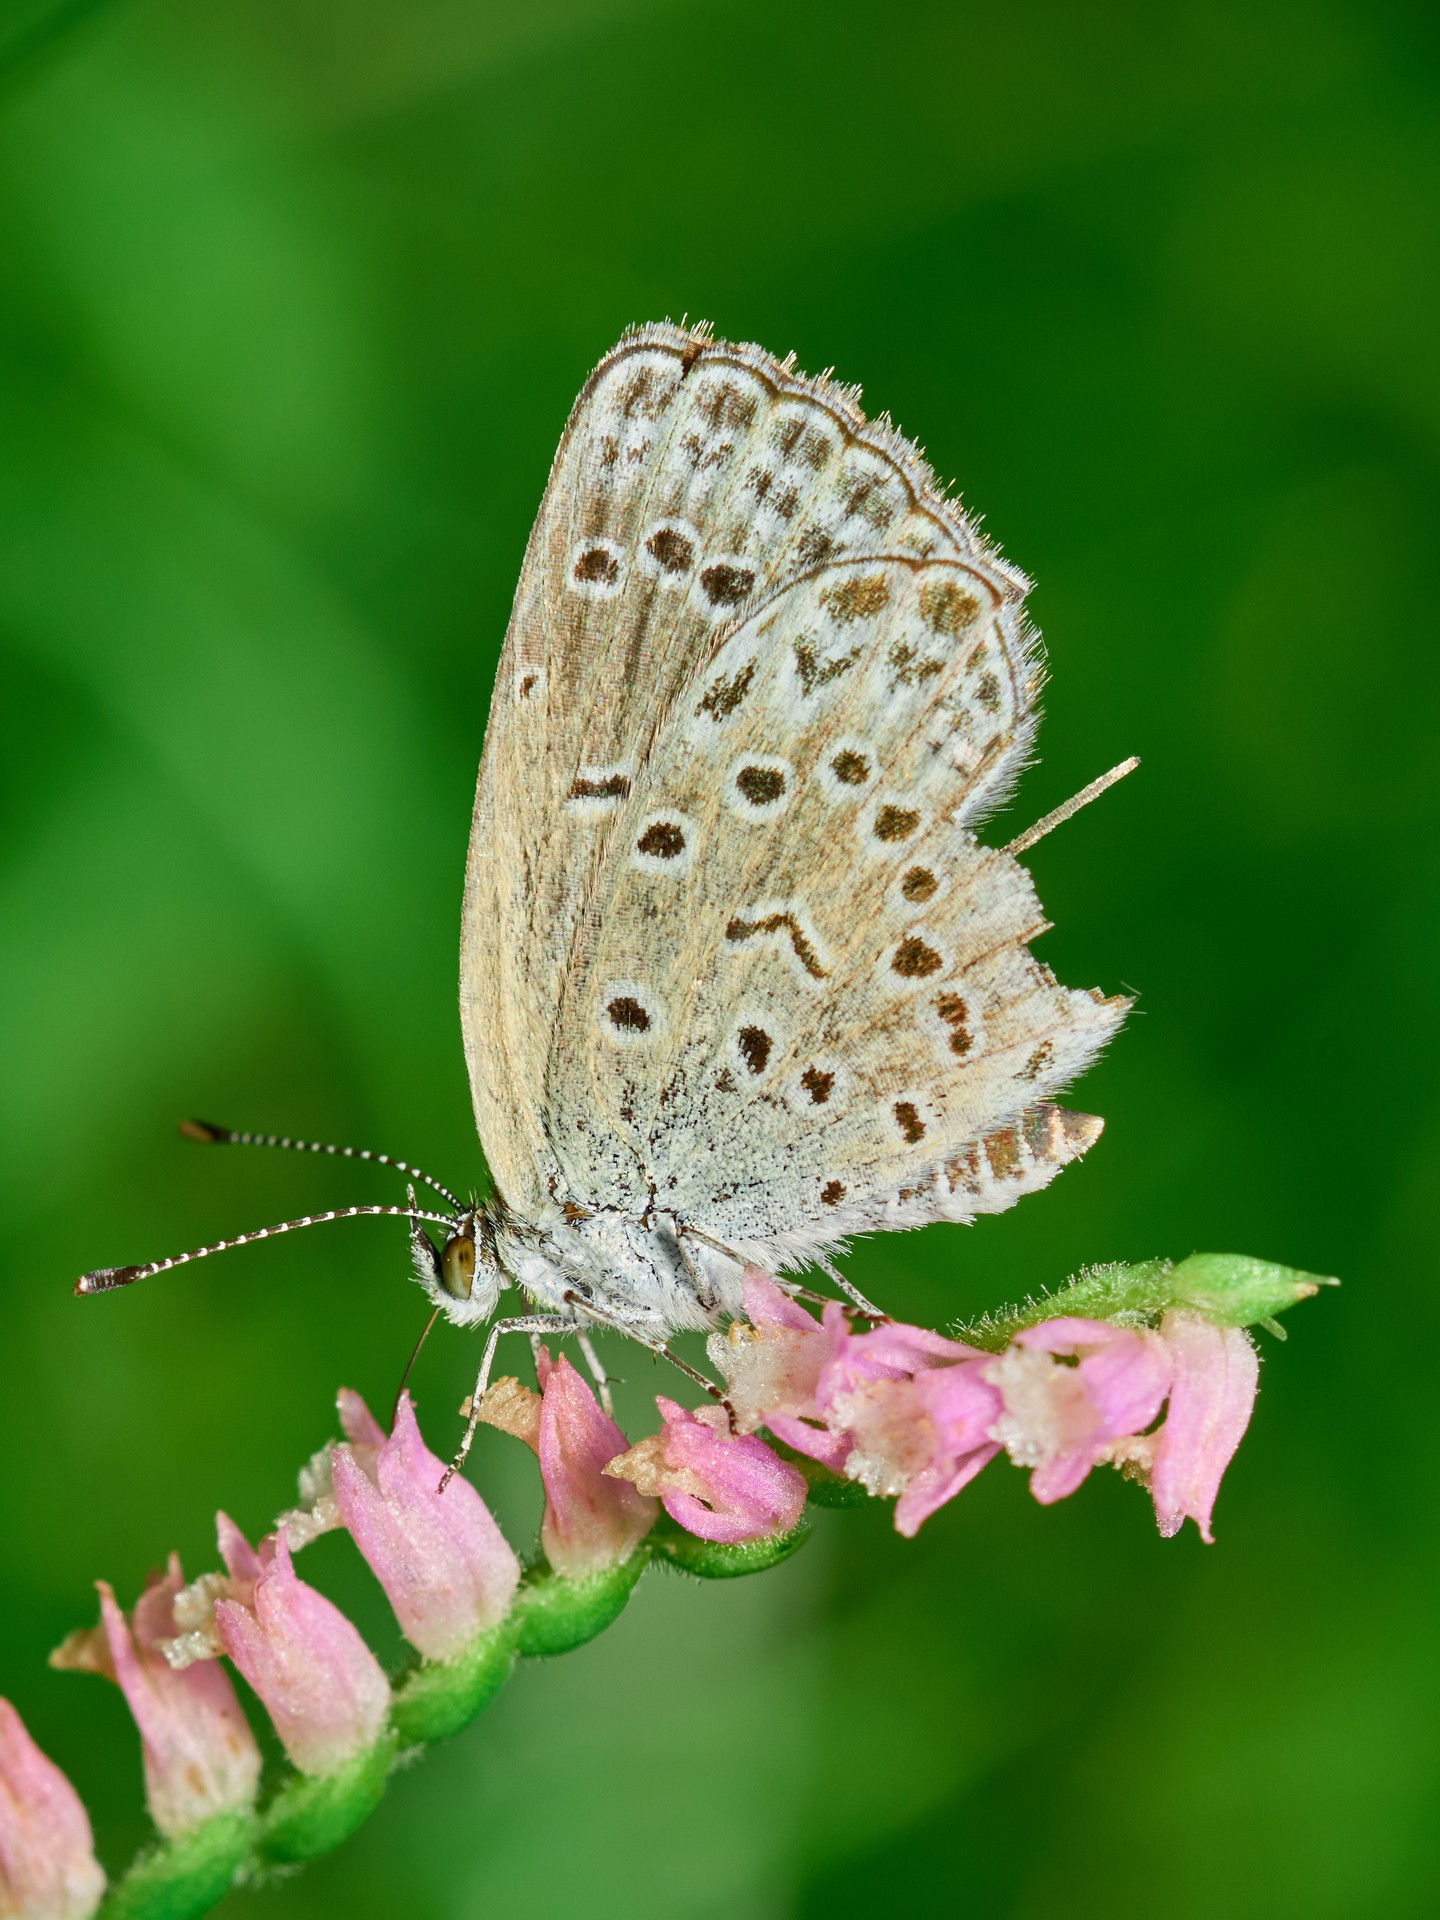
[(649, 1277)]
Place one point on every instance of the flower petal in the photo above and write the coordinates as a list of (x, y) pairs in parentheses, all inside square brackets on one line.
[(590, 1522), (445, 1565), (48, 1869), (319, 1682), (1216, 1374), (200, 1755)]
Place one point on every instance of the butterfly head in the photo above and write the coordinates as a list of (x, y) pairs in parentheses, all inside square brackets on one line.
[(464, 1278)]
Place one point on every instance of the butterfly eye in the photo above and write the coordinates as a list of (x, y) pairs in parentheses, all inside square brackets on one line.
[(457, 1265)]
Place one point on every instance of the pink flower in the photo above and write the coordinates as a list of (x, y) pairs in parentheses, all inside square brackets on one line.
[(591, 1523), (1063, 1419), (442, 1560), (317, 1512), (916, 1410), (319, 1682), (772, 1369), (48, 1869), (200, 1755), (716, 1484), (1212, 1395)]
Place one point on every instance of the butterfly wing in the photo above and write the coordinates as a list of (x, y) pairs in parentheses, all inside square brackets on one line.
[(730, 943), (807, 989), (692, 477)]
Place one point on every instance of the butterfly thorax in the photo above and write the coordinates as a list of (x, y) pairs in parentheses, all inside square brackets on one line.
[(649, 1277)]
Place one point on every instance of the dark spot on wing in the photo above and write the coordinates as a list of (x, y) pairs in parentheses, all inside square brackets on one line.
[(815, 546), (818, 1085), (598, 564), (670, 550), (1002, 1150), (726, 585), (912, 668), (610, 786), (851, 769), (913, 960), (956, 1015), (815, 673), (627, 1015), (662, 841), (760, 785), (726, 692), (896, 823), (740, 928), (754, 1044), (857, 597), (946, 607)]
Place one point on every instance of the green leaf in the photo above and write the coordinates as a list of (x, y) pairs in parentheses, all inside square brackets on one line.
[(1237, 1291)]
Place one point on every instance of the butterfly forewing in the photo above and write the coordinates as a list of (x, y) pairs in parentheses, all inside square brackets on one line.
[(729, 942)]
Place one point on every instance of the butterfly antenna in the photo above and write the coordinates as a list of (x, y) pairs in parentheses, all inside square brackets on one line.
[(1082, 799), (414, 1356), (212, 1136), (106, 1279)]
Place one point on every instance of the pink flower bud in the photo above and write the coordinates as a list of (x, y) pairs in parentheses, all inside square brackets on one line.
[(200, 1755), (1216, 1371), (1061, 1420), (443, 1562), (917, 1411), (48, 1869), (319, 1682), (590, 1523), (716, 1484), (772, 1369)]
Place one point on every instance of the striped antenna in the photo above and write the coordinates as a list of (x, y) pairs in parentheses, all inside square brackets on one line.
[(106, 1279), (213, 1136)]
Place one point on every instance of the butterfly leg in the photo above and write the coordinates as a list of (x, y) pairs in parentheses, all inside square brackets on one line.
[(852, 1293), (658, 1348), (530, 1323), (597, 1372)]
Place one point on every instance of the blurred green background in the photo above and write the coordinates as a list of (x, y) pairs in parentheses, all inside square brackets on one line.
[(296, 297)]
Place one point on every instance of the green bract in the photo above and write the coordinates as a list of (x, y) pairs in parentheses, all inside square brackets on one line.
[(1231, 1289)]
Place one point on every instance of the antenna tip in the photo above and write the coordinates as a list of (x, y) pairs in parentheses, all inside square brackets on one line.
[(106, 1279), (204, 1132)]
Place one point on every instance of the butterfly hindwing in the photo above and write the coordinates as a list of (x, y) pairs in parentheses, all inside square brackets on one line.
[(804, 983)]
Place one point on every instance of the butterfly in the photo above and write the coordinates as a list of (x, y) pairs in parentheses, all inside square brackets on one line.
[(738, 978)]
